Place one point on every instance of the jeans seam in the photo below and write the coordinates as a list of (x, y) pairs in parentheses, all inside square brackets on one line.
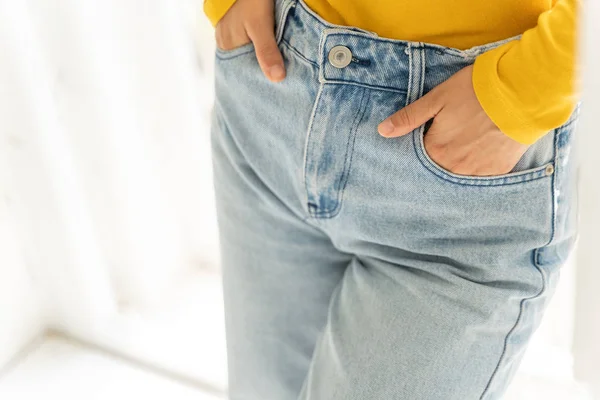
[(362, 84), (297, 52), (347, 161), (516, 324), (535, 174), (307, 144), (350, 150), (225, 55), (537, 265), (553, 186), (446, 50)]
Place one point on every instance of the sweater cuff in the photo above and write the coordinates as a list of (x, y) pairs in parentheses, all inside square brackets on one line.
[(216, 9), (499, 103)]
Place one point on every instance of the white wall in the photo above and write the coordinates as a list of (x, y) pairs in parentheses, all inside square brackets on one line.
[(21, 319), (104, 110)]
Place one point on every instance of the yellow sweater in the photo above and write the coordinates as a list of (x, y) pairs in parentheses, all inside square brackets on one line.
[(527, 87)]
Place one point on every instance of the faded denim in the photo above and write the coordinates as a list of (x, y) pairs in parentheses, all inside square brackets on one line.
[(355, 267)]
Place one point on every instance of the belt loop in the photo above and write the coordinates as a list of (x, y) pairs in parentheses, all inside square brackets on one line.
[(416, 72), (321, 54)]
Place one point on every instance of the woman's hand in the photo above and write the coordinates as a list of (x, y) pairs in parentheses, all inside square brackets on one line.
[(462, 138), (253, 21)]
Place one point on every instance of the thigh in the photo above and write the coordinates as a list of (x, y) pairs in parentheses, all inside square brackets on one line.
[(450, 275), (278, 271), (278, 277), (398, 333)]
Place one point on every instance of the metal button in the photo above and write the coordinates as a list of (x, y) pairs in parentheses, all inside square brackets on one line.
[(549, 169), (340, 56)]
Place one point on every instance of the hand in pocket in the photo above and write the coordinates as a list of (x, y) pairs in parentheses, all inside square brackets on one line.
[(253, 21), (462, 138)]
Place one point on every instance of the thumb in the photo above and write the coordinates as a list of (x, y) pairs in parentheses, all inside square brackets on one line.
[(267, 52), (411, 117)]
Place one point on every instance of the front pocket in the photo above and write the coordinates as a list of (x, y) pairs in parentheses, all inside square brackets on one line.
[(233, 53), (538, 172)]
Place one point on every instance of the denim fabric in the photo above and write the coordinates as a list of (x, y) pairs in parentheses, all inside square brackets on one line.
[(354, 266)]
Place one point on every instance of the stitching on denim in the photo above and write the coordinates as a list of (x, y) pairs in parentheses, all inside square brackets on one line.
[(347, 159), (330, 213), (297, 53), (234, 53), (422, 83), (321, 58), (519, 319), (323, 65), (362, 84), (445, 50), (553, 185), (350, 148), (527, 176), (409, 92), (554, 221), (349, 153), (494, 181), (307, 144), (536, 261)]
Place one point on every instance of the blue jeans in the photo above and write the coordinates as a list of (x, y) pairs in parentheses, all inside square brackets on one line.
[(354, 266)]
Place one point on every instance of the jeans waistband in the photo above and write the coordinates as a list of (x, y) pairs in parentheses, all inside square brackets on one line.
[(376, 61)]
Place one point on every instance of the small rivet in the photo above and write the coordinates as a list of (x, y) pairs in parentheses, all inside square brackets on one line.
[(549, 169), (340, 56)]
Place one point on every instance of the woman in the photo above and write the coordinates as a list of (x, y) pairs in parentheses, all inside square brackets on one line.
[(396, 197)]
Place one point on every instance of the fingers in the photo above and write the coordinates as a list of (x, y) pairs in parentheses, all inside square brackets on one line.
[(230, 36), (411, 117), (253, 21), (267, 52)]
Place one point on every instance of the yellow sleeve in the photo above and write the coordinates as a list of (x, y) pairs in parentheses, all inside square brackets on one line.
[(528, 86), (215, 9)]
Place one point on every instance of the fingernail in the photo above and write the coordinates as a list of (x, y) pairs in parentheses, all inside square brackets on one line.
[(386, 127), (277, 73)]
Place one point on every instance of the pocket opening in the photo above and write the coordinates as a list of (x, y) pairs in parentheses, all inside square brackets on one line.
[(545, 170)]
